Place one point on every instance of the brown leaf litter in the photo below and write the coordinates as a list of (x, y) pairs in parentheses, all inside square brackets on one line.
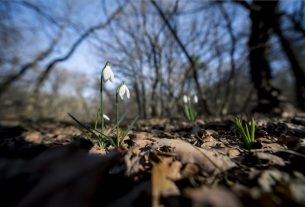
[(162, 163)]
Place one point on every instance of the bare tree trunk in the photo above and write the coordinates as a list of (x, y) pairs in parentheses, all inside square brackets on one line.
[(296, 68), (143, 98), (261, 28), (153, 102), (138, 98), (157, 67), (161, 99)]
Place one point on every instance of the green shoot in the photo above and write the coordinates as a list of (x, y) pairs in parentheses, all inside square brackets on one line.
[(117, 141), (248, 136), (189, 112)]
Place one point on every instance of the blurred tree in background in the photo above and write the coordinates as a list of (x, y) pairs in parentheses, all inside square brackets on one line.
[(236, 56)]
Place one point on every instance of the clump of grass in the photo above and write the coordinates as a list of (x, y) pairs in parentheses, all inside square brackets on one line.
[(247, 135)]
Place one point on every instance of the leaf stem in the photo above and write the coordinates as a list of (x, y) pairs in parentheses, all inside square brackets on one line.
[(117, 116), (101, 105)]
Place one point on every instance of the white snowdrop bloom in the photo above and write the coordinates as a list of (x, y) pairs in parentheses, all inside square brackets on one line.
[(185, 99), (107, 73), (124, 90), (195, 99), (106, 117)]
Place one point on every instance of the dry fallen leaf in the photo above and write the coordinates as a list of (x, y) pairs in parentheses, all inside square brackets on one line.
[(284, 185), (219, 197), (273, 159), (188, 153), (163, 175), (189, 170), (33, 137), (274, 147)]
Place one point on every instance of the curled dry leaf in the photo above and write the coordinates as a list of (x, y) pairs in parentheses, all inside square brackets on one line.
[(274, 147), (273, 159), (188, 153)]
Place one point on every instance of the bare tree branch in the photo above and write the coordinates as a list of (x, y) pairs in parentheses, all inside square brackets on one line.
[(244, 4), (23, 69), (230, 79), (201, 95), (297, 25), (74, 46)]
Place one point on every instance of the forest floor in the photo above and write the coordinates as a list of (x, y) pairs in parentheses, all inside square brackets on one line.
[(162, 163)]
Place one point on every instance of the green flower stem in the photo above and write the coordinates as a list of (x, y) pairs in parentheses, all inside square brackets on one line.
[(192, 117), (186, 111), (101, 105), (252, 130), (97, 119), (117, 116), (190, 110)]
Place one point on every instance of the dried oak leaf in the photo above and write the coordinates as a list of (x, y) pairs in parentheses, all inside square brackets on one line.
[(163, 176), (208, 161), (136, 157)]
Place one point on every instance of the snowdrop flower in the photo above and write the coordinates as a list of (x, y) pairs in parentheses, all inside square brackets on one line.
[(107, 73), (106, 117), (195, 99), (124, 90), (185, 99)]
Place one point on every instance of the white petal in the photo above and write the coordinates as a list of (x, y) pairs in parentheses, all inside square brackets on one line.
[(106, 117), (122, 91), (111, 76), (195, 99), (122, 96), (127, 92), (185, 99), (107, 73)]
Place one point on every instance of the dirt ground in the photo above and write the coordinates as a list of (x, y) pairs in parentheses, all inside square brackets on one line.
[(162, 163)]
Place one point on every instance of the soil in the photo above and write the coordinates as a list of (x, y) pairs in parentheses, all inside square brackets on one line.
[(161, 163)]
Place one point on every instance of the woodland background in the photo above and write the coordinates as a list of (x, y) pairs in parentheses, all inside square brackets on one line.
[(236, 56)]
